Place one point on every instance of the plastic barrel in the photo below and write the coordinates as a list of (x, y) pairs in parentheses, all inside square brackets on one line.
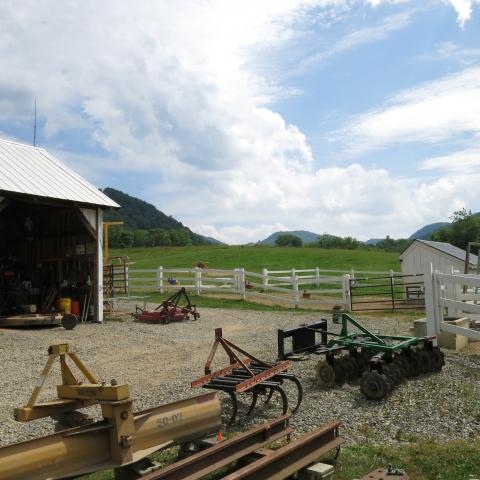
[(64, 305), (75, 307)]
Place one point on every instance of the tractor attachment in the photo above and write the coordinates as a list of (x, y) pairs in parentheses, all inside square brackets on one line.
[(377, 362), (169, 310), (249, 375)]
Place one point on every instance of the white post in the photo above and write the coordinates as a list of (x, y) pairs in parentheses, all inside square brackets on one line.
[(160, 279), (242, 284), (352, 275), (265, 279), (317, 276), (292, 276), (430, 302), (296, 295), (346, 292), (198, 280)]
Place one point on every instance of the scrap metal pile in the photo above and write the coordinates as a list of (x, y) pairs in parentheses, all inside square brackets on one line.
[(248, 375), (170, 310)]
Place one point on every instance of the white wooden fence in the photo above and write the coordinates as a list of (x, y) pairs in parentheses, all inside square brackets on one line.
[(447, 294), (316, 287)]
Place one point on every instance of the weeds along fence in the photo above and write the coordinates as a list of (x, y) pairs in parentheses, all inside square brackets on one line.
[(296, 287)]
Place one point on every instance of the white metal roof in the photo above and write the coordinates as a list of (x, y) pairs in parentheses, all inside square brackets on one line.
[(33, 171), (446, 248)]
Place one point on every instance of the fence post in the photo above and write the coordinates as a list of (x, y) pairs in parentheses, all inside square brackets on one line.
[(352, 275), (265, 279), (296, 295), (160, 279), (430, 301), (243, 289), (198, 280), (346, 292), (317, 276)]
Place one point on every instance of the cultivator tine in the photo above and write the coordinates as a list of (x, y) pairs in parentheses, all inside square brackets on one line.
[(282, 393), (254, 402), (297, 383), (233, 398), (269, 396)]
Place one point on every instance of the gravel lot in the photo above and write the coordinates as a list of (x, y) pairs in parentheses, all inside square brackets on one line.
[(159, 361)]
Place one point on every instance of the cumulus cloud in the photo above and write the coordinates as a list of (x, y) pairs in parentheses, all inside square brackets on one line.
[(434, 112), (168, 89)]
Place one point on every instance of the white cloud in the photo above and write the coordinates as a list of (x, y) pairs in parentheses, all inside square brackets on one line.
[(464, 9), (432, 113), (464, 161), (167, 89)]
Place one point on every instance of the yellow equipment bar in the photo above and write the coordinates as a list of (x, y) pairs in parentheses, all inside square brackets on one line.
[(83, 450)]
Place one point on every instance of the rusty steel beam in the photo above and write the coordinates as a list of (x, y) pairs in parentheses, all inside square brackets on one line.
[(280, 464), (224, 453)]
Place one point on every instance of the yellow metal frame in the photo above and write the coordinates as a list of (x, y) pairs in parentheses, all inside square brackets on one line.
[(72, 394)]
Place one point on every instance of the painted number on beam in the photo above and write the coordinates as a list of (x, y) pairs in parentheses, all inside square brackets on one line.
[(168, 420)]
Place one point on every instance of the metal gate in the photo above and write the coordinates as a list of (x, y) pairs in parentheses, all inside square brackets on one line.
[(394, 292)]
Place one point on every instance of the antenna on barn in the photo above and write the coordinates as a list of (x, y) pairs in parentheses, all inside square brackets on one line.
[(35, 124)]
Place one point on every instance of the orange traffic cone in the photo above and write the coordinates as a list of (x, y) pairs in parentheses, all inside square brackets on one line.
[(220, 437)]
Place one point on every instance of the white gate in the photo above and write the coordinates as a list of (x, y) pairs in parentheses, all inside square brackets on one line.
[(448, 295)]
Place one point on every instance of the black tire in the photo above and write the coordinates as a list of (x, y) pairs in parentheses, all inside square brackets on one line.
[(69, 321), (374, 385)]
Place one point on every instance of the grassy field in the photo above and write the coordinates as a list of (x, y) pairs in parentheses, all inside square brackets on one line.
[(256, 258), (423, 460)]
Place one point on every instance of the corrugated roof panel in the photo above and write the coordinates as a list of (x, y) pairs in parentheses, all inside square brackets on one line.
[(450, 249), (33, 171)]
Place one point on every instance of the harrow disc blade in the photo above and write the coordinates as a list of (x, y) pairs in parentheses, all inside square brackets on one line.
[(349, 367), (413, 365), (324, 374), (393, 374), (374, 385), (340, 375), (424, 359), (361, 361), (401, 362), (438, 359)]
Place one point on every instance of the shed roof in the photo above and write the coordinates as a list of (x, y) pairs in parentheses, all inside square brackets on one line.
[(33, 171), (446, 248)]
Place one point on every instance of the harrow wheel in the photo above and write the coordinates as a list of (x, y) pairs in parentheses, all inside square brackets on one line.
[(324, 374), (374, 385)]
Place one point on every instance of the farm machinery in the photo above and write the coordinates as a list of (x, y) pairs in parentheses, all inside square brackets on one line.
[(377, 362), (170, 310), (124, 439), (249, 375)]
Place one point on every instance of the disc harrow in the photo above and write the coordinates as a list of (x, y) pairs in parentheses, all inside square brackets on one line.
[(377, 363), (249, 376)]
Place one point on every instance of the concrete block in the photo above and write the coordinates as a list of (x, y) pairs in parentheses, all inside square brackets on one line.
[(448, 340), (317, 471)]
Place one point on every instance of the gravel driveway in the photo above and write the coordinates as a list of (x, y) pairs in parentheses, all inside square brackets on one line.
[(159, 361)]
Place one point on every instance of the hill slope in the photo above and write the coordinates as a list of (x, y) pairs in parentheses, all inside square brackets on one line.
[(140, 215), (307, 237), (425, 232)]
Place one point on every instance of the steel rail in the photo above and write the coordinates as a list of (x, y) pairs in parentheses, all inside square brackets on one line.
[(280, 464), (223, 453)]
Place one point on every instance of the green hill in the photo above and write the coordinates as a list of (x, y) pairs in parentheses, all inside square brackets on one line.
[(307, 237), (145, 225)]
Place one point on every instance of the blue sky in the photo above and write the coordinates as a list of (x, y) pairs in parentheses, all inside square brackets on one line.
[(240, 118)]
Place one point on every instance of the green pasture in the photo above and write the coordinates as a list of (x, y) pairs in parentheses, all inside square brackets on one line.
[(254, 258)]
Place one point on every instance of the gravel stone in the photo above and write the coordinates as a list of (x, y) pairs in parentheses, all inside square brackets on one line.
[(159, 362)]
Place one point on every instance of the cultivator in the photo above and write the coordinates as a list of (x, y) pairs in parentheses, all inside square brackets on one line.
[(248, 375), (169, 310), (377, 362)]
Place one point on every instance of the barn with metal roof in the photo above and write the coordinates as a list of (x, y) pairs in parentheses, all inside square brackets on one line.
[(51, 234), (444, 257)]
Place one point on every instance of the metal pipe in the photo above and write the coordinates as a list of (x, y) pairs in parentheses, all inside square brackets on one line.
[(82, 450)]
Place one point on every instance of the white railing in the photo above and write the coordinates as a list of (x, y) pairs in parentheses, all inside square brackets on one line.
[(299, 288), (451, 295)]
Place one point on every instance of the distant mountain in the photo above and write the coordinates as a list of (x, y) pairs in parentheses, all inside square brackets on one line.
[(372, 241), (307, 237), (140, 215), (425, 232)]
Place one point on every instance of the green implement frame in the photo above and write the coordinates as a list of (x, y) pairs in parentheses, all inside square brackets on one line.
[(368, 339)]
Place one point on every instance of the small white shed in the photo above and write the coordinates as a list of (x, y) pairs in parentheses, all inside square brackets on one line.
[(444, 257)]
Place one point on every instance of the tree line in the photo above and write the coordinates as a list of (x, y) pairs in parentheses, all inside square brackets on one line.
[(155, 237)]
